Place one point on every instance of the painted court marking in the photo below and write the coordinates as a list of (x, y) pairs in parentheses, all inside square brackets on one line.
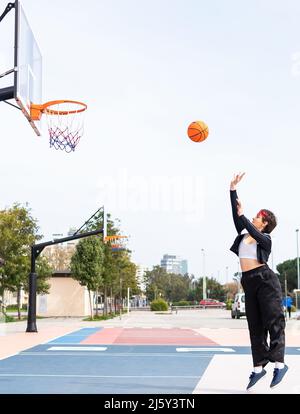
[(98, 376), (77, 348), (126, 360), (230, 375), (205, 349)]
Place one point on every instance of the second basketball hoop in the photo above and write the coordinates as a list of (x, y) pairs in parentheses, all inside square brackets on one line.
[(116, 242), (65, 120)]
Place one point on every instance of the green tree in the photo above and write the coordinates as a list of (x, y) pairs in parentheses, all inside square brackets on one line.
[(87, 265), (18, 231), (288, 267), (119, 275), (170, 286), (216, 289), (177, 288), (119, 272), (44, 272), (157, 282), (128, 274)]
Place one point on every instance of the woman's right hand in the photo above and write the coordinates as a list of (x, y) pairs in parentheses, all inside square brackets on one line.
[(236, 179)]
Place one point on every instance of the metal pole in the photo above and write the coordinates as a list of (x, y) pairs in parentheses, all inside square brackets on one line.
[(298, 273), (104, 224), (285, 292), (238, 277), (204, 277), (120, 297), (227, 283), (31, 320), (36, 250), (128, 300)]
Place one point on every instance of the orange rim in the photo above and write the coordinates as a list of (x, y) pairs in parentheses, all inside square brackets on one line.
[(114, 238), (36, 111)]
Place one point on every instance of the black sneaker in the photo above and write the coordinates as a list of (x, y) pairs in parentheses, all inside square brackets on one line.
[(278, 375), (254, 377)]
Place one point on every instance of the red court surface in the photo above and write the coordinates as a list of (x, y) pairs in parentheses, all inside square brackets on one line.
[(144, 336)]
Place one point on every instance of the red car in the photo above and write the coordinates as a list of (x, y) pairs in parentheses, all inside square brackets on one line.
[(212, 303)]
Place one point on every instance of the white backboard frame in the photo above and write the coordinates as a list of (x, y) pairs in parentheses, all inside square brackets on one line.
[(28, 67)]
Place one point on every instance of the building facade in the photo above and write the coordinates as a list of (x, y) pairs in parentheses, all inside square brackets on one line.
[(174, 264), (140, 272)]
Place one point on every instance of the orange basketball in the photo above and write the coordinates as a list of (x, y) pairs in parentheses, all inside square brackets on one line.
[(198, 131)]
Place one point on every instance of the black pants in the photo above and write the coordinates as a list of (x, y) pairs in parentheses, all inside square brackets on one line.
[(265, 316)]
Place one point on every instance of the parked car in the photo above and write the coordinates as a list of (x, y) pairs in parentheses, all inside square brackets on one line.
[(238, 306), (212, 303)]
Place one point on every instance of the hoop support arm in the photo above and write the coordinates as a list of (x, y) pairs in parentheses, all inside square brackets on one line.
[(8, 8), (6, 93)]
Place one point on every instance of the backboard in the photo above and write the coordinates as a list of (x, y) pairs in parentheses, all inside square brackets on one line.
[(28, 67)]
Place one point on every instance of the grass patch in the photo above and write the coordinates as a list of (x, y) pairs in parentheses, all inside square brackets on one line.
[(13, 308), (102, 317), (163, 313), (9, 318)]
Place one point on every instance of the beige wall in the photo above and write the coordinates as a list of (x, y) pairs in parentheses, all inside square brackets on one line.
[(66, 298)]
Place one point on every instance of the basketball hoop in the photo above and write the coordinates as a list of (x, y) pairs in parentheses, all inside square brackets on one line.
[(65, 121), (117, 243)]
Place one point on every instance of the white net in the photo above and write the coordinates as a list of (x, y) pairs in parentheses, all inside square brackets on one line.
[(65, 124), (116, 242)]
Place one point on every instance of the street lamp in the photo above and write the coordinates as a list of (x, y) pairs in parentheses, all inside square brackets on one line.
[(239, 276), (298, 281), (204, 278), (226, 283)]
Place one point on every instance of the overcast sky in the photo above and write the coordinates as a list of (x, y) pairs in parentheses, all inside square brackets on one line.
[(146, 70)]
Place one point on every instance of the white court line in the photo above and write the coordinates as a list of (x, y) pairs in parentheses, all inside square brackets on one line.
[(77, 348), (205, 349), (120, 355), (61, 343), (9, 356), (98, 376)]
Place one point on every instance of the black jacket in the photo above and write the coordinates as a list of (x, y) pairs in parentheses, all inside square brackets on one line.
[(264, 242)]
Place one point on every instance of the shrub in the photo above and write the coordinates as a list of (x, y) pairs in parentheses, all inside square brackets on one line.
[(103, 317), (229, 303), (159, 305), (182, 303)]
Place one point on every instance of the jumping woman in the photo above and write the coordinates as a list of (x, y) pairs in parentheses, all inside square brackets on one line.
[(263, 297)]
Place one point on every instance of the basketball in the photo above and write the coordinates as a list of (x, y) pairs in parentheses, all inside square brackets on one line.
[(198, 131)]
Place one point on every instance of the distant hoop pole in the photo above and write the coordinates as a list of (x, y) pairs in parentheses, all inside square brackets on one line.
[(104, 224), (36, 250)]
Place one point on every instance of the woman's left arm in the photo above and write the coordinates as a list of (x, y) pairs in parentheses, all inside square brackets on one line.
[(263, 238)]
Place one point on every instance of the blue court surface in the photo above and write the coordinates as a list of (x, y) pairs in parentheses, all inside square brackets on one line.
[(69, 365)]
